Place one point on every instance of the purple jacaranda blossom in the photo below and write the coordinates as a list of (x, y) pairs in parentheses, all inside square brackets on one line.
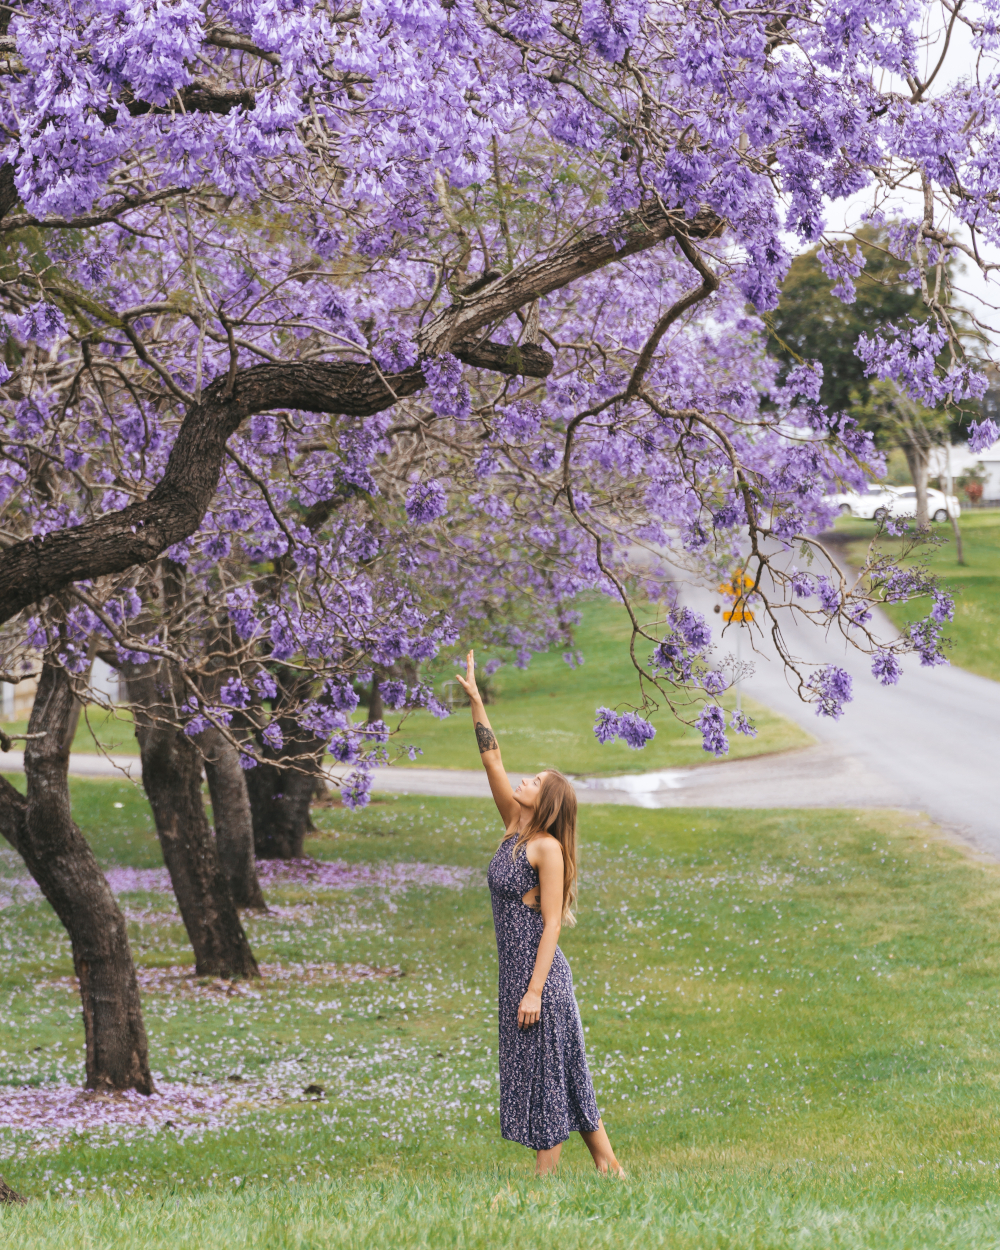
[(124, 607), (519, 421), (265, 684), (358, 793), (234, 693), (395, 351), (530, 21), (834, 687), (425, 502), (730, 514), (829, 595), (908, 354), (928, 642), (449, 391), (272, 735), (983, 434), (692, 627), (40, 323), (712, 723), (843, 266), (341, 695), (393, 694), (635, 731), (944, 607), (344, 748), (611, 25), (742, 724), (606, 725), (886, 668), (283, 639), (240, 604)]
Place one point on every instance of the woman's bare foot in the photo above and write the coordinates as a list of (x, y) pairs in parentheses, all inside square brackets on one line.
[(601, 1152)]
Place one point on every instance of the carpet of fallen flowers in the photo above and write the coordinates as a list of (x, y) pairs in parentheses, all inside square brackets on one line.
[(768, 977)]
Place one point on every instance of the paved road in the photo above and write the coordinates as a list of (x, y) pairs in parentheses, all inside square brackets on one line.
[(930, 743)]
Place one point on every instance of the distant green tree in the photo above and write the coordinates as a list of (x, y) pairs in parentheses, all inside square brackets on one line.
[(812, 323)]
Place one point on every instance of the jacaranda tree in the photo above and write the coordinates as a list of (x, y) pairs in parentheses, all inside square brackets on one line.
[(335, 332)]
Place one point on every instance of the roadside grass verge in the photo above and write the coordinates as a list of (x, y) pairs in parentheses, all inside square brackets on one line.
[(975, 631), (791, 1016), (544, 715)]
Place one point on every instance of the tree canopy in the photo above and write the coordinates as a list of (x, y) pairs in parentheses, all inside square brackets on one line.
[(387, 321)]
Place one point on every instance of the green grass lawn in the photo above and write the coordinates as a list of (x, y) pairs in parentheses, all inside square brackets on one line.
[(544, 716), (791, 1021), (98, 730), (975, 630)]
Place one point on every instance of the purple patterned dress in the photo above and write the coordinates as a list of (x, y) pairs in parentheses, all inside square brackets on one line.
[(545, 1088)]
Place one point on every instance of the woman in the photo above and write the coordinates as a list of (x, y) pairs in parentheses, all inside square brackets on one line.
[(545, 1089)]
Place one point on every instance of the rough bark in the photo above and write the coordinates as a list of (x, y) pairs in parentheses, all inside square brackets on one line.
[(280, 798), (376, 705), (233, 818), (41, 828), (174, 509), (10, 1196), (171, 777)]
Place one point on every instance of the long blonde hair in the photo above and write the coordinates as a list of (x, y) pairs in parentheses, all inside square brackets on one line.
[(555, 813)]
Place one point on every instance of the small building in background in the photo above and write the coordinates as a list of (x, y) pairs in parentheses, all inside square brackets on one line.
[(16, 700), (964, 461)]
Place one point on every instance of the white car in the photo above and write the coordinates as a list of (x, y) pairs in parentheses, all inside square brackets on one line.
[(938, 506), (870, 505), (878, 501)]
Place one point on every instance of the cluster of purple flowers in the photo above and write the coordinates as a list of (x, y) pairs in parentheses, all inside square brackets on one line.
[(631, 728)]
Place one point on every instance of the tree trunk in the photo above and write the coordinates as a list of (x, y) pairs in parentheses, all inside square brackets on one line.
[(281, 793), (917, 456), (171, 777), (233, 818), (41, 829), (280, 799), (9, 1196), (72, 723), (376, 707)]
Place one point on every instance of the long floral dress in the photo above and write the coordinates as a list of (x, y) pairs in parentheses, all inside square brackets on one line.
[(545, 1088)]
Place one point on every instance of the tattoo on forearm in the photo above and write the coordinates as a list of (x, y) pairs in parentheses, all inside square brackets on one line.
[(486, 738)]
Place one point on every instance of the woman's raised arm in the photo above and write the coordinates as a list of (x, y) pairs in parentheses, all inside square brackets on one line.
[(489, 748)]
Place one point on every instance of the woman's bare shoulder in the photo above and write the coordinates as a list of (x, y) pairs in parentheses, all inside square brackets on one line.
[(544, 847)]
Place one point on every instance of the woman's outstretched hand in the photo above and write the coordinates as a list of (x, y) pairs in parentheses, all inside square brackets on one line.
[(468, 682)]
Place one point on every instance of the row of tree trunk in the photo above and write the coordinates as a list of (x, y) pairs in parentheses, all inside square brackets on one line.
[(213, 874)]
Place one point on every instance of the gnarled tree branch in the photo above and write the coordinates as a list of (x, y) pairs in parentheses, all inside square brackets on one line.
[(174, 509)]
